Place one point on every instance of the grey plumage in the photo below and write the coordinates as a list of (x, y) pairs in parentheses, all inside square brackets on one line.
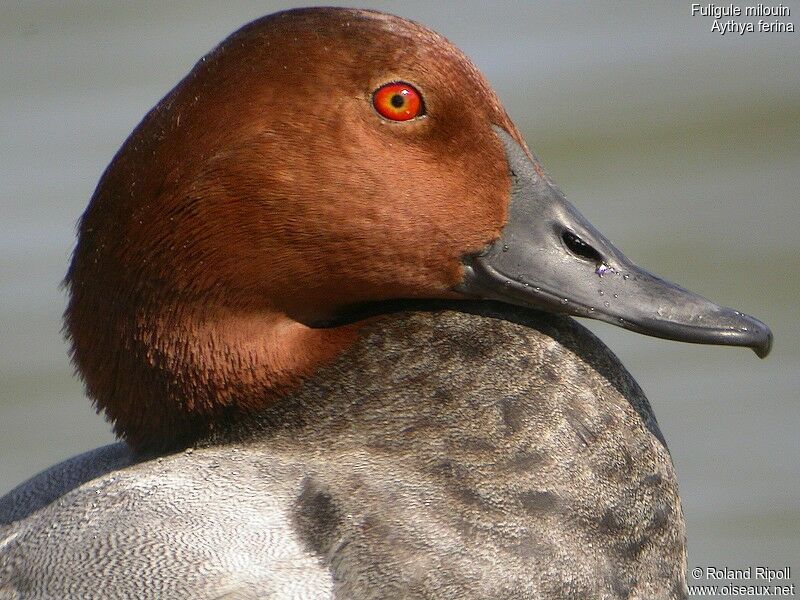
[(445, 455)]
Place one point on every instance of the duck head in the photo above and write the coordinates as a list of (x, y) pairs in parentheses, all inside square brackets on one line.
[(316, 161)]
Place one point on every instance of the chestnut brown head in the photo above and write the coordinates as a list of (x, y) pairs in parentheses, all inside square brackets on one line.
[(316, 160)]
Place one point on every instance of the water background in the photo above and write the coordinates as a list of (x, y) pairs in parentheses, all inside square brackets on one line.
[(681, 145)]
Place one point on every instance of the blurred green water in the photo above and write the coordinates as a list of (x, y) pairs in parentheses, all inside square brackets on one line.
[(681, 145)]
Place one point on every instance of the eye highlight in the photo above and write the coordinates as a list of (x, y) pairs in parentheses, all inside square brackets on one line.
[(398, 101)]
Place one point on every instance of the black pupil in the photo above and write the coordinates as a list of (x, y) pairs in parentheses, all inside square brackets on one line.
[(398, 101)]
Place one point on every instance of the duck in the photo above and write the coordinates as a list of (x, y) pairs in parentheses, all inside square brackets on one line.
[(325, 293)]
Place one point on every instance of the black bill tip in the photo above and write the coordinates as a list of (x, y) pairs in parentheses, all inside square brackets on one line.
[(760, 338)]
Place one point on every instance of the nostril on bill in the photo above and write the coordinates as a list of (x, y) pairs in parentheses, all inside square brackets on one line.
[(579, 248)]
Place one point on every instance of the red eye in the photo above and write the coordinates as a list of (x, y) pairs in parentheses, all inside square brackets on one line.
[(398, 101)]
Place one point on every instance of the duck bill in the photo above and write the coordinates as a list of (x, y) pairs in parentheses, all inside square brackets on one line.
[(550, 257)]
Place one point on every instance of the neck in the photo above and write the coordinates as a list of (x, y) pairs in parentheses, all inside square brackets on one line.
[(170, 378), (418, 375)]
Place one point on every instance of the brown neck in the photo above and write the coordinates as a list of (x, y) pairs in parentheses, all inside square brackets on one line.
[(168, 378)]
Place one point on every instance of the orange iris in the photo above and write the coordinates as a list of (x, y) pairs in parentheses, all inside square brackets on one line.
[(398, 101)]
